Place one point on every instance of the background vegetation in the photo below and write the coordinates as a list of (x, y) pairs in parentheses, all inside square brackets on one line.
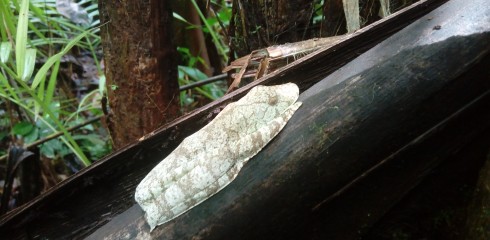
[(52, 76), (51, 80), (52, 83)]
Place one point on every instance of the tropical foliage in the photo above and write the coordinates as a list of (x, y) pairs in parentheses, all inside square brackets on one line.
[(52, 82), (42, 42)]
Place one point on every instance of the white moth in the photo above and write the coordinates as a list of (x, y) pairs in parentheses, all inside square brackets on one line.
[(208, 160)]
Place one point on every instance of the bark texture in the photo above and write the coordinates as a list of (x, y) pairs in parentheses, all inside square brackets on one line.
[(140, 67), (263, 23), (334, 18)]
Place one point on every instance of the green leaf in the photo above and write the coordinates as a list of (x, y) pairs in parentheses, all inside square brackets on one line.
[(21, 38), (31, 136), (7, 17), (184, 50), (22, 128), (52, 83), (225, 15), (92, 143), (53, 59), (5, 86), (5, 48), (30, 62), (50, 148), (67, 138), (93, 138), (194, 73), (178, 17)]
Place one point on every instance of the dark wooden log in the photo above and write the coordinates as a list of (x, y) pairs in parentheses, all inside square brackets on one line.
[(375, 104), (445, 193), (364, 137)]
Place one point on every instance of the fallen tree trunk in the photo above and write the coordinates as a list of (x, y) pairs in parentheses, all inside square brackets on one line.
[(364, 137), (402, 92)]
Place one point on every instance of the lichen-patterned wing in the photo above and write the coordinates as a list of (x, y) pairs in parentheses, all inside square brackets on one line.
[(208, 160)]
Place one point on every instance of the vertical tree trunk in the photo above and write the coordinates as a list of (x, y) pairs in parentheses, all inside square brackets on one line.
[(140, 67), (334, 19), (263, 23)]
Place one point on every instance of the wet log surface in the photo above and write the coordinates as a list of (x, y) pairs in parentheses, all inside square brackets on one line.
[(441, 205), (360, 132)]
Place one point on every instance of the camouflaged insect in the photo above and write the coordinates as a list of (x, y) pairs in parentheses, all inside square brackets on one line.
[(208, 160)]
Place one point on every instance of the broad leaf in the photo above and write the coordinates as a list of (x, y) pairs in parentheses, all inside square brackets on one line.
[(21, 38), (22, 128), (5, 48)]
